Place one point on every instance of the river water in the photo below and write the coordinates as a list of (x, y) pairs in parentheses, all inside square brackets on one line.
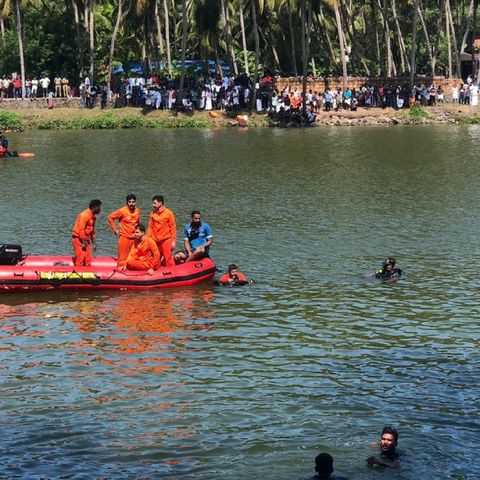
[(210, 383)]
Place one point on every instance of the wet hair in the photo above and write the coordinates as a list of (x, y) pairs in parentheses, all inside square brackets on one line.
[(324, 464), (158, 198), (232, 266), (131, 196), (196, 212), (389, 261), (141, 227), (391, 431), (94, 203)]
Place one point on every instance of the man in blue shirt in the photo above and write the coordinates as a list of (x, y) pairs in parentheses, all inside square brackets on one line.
[(197, 238)]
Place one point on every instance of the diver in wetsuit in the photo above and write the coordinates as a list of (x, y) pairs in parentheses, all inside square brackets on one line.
[(388, 270)]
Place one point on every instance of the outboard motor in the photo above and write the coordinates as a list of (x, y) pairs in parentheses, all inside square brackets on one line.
[(10, 254)]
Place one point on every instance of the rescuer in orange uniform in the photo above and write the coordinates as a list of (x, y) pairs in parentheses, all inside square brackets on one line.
[(83, 234), (233, 277), (144, 254), (128, 218), (162, 228)]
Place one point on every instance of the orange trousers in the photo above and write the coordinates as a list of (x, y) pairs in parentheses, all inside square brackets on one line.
[(137, 265), (166, 256), (124, 246), (82, 256)]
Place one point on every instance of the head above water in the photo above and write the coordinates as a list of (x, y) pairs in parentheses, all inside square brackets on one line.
[(389, 262), (95, 205), (388, 439), (324, 465)]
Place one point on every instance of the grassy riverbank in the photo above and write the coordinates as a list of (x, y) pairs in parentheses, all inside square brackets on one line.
[(74, 118)]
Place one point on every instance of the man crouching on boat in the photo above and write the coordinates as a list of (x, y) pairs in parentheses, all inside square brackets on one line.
[(144, 254)]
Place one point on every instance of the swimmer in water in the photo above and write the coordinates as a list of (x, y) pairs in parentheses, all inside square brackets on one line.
[(389, 456), (388, 270), (233, 277)]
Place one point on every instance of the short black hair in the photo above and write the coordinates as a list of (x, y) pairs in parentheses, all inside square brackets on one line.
[(390, 261), (195, 212), (324, 464), (392, 431), (232, 266), (158, 198), (141, 227), (131, 196), (94, 203)]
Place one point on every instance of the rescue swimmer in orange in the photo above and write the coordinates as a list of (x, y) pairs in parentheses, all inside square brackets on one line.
[(83, 234), (162, 228), (234, 277), (128, 218), (144, 254)]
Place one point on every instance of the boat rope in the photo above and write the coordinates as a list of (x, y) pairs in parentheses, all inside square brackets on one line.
[(57, 282)]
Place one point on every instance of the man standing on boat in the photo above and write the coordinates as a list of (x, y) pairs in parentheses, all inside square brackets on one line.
[(144, 255), (197, 237), (162, 228), (83, 234), (128, 218)]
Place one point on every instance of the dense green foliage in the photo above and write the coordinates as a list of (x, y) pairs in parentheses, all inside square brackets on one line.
[(111, 122), (370, 37)]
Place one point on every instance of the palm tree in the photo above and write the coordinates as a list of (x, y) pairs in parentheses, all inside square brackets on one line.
[(184, 50), (112, 46), (414, 44), (19, 27)]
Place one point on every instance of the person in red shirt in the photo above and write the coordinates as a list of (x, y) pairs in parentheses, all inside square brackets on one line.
[(144, 254), (233, 276), (128, 218), (162, 228), (83, 234)]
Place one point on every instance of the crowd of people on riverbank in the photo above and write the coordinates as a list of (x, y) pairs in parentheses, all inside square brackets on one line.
[(35, 87), (234, 93)]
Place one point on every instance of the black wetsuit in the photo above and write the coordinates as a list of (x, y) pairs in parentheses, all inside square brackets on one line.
[(385, 275)]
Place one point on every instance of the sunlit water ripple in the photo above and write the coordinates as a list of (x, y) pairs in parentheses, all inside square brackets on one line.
[(210, 382)]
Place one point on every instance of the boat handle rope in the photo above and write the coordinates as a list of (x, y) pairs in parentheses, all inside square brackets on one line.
[(60, 281)]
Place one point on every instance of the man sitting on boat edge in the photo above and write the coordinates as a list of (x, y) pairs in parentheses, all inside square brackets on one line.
[(144, 254)]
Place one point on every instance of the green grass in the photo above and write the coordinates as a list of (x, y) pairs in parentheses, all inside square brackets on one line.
[(417, 113), (10, 120), (110, 122)]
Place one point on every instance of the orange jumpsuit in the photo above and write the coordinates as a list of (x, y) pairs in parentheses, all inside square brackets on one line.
[(127, 221), (162, 228), (83, 233), (143, 255), (225, 278)]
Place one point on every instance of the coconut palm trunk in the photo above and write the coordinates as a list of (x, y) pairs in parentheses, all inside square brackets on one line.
[(341, 40), (20, 44), (167, 37), (413, 60), (257, 52), (184, 53), (112, 47), (244, 38)]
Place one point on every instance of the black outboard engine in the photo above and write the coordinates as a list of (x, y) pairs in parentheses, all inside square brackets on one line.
[(10, 254)]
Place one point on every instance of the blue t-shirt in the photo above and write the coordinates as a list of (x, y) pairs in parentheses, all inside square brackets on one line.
[(197, 236)]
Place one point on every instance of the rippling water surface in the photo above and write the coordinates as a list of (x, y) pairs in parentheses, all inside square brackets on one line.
[(212, 383)]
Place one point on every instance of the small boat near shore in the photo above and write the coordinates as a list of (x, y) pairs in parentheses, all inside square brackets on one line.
[(30, 273)]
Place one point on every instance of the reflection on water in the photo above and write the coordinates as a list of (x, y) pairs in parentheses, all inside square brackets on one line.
[(207, 382)]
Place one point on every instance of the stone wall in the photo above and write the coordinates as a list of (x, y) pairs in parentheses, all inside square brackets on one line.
[(34, 103), (320, 84)]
